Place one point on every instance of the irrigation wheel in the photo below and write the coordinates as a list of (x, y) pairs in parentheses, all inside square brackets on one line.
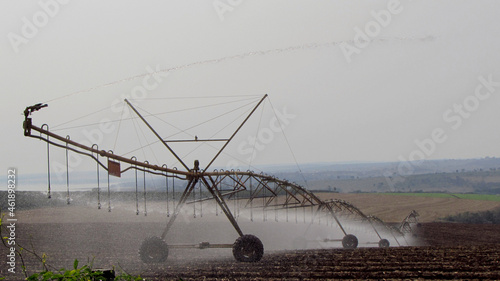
[(384, 243), (248, 248), (350, 242), (153, 250)]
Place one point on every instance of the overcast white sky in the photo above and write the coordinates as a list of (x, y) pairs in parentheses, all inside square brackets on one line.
[(393, 92)]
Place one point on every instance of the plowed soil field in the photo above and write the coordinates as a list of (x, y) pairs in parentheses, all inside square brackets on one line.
[(445, 251)]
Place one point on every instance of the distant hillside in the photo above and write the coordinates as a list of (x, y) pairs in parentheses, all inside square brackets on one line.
[(481, 182), (455, 176), (458, 176), (331, 171)]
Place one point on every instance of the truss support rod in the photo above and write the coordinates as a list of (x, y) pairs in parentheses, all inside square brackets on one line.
[(392, 233), (157, 135), (218, 197), (235, 132), (48, 161), (197, 140), (374, 229), (189, 188), (67, 173), (211, 198), (136, 194), (336, 218)]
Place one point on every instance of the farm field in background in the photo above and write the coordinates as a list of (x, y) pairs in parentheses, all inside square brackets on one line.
[(486, 197), (390, 207)]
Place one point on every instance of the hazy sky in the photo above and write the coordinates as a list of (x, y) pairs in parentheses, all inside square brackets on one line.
[(413, 75)]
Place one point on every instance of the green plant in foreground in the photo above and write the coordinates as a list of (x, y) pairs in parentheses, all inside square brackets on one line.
[(83, 273)]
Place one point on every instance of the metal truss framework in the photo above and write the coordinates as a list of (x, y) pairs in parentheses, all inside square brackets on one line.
[(252, 190)]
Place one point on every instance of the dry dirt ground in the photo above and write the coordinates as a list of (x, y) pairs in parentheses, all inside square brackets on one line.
[(444, 251), (390, 208)]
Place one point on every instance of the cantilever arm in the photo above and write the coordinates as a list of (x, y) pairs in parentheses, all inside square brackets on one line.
[(103, 153)]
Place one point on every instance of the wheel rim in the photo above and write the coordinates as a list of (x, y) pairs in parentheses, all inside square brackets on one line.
[(248, 248), (154, 253), (384, 243), (248, 252), (153, 250), (350, 241)]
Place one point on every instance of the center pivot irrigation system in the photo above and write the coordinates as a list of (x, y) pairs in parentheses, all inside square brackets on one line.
[(252, 190)]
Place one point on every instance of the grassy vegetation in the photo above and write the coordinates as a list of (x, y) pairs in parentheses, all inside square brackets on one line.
[(485, 197), (422, 194)]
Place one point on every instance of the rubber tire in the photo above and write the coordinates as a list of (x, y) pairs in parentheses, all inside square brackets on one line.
[(153, 250), (350, 242), (384, 243), (248, 248)]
